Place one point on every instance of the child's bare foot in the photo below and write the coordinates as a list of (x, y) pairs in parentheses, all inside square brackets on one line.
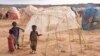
[(11, 52), (18, 47), (33, 52)]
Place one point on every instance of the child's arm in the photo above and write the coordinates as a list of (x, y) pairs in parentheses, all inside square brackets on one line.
[(21, 29), (30, 36), (39, 34)]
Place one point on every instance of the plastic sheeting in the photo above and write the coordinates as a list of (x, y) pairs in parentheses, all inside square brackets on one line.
[(90, 11), (13, 13), (53, 19), (30, 10), (97, 17)]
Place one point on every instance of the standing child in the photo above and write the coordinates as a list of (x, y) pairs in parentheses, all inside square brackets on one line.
[(11, 41), (16, 32), (33, 38)]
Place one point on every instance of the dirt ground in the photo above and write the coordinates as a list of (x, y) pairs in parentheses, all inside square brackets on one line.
[(66, 43)]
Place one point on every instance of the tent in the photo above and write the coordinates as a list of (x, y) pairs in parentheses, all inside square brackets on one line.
[(97, 17), (94, 12), (30, 10), (26, 13), (53, 19), (3, 11), (90, 11), (13, 13)]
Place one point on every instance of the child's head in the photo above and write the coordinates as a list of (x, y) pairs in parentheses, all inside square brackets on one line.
[(14, 24), (10, 31), (34, 27)]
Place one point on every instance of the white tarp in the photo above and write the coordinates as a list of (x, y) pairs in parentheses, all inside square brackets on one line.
[(30, 10), (53, 19)]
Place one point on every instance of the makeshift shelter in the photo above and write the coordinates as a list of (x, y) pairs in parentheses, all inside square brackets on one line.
[(89, 12), (97, 20), (30, 10), (97, 17), (3, 11), (26, 13), (53, 19), (13, 13)]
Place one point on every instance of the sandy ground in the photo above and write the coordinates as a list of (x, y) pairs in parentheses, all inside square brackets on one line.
[(66, 43)]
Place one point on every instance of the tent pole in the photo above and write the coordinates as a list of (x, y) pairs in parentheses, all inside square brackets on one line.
[(56, 34), (23, 39), (46, 54)]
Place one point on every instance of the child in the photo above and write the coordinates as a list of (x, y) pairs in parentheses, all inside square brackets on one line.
[(33, 38), (16, 31), (11, 41)]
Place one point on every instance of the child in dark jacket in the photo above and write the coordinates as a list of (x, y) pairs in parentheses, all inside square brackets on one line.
[(33, 38), (16, 32)]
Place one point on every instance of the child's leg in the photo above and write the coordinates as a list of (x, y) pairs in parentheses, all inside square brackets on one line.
[(11, 50), (17, 43), (18, 46), (33, 47), (32, 51)]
